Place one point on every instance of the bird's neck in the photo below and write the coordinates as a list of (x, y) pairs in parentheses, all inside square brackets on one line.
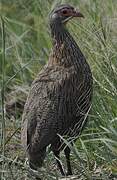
[(65, 50)]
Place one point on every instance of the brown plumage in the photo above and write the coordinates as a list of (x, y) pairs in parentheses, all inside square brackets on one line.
[(60, 96)]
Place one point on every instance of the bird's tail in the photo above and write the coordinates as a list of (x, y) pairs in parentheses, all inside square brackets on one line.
[(36, 159)]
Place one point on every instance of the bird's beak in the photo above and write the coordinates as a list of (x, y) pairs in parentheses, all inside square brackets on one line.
[(76, 13)]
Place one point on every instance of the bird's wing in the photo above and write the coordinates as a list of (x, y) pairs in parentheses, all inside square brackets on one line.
[(43, 115)]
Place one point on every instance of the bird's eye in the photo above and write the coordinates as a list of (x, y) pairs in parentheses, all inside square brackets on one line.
[(64, 11)]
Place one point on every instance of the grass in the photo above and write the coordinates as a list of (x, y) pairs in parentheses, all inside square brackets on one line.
[(24, 49), (3, 93)]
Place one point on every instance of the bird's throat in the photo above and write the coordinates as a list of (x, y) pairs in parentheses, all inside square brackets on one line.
[(61, 46), (65, 50)]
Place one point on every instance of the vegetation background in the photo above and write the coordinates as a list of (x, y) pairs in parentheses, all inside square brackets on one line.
[(25, 44)]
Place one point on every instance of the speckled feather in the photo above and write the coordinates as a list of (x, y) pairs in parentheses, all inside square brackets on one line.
[(59, 99)]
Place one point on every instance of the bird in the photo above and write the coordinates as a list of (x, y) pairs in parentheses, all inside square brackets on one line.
[(60, 96)]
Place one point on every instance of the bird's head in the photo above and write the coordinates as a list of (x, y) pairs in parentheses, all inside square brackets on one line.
[(63, 13)]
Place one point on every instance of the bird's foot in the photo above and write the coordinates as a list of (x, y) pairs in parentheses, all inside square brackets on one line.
[(69, 173)]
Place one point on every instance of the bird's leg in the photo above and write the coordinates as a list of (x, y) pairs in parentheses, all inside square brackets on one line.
[(56, 153), (67, 154)]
